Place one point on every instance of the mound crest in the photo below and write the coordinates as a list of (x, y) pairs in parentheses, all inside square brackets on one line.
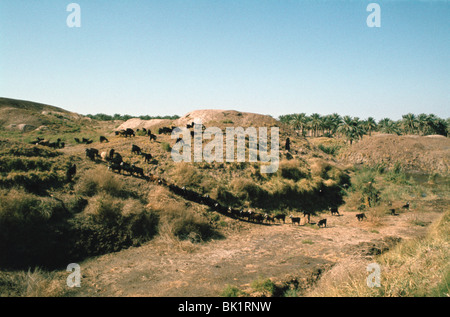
[(415, 153)]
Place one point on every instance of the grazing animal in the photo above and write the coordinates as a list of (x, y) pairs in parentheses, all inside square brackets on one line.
[(71, 171), (307, 214), (295, 219), (92, 154), (258, 217), (129, 133), (114, 167), (111, 154), (117, 158), (135, 149), (392, 210), (87, 141), (104, 156), (147, 157), (165, 130), (406, 206), (152, 137), (103, 139), (137, 170), (179, 140), (334, 210), (269, 218), (361, 216), (126, 168), (77, 140), (322, 223), (281, 217)]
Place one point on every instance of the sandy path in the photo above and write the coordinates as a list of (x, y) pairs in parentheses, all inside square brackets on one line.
[(281, 252)]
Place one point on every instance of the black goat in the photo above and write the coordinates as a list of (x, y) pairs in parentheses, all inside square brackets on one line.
[(92, 154), (281, 217), (334, 210), (295, 219), (322, 223), (135, 149), (361, 216)]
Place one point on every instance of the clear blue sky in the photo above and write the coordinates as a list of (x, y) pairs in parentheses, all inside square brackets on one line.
[(274, 57)]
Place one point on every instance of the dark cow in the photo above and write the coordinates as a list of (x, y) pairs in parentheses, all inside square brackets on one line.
[(86, 141), (147, 157), (126, 167), (165, 130), (269, 218), (406, 206), (334, 210), (135, 149), (280, 217), (257, 217), (295, 219), (137, 170), (152, 137), (322, 223), (92, 154), (114, 167), (361, 216)]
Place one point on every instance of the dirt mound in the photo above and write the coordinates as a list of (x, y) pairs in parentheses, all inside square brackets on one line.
[(26, 115), (137, 123), (220, 117), (428, 154), (216, 118)]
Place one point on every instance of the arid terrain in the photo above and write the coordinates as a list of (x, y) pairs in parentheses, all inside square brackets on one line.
[(150, 234)]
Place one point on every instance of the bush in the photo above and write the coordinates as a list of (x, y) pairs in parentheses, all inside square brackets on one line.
[(232, 291), (100, 180), (182, 223), (249, 191), (293, 169)]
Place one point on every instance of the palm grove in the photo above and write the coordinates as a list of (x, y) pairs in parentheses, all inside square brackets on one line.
[(353, 128)]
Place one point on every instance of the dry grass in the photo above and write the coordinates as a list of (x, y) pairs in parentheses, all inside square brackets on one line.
[(419, 267)]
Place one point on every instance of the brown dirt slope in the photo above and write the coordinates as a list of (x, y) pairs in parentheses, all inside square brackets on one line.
[(428, 154), (26, 115), (216, 118)]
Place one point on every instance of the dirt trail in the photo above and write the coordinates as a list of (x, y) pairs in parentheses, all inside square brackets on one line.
[(282, 252)]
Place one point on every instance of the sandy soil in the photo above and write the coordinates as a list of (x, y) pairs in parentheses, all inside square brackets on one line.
[(286, 253)]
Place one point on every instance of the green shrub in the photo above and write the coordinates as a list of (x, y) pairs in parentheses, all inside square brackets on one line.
[(232, 291)]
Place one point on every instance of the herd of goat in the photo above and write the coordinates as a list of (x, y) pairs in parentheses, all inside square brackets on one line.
[(116, 164)]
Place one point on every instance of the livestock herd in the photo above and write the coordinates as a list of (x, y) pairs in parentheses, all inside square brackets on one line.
[(116, 164)]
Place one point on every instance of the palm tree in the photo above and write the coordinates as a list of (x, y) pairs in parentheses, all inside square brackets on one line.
[(336, 121), (315, 123), (386, 125), (370, 125), (299, 121), (351, 128), (409, 123)]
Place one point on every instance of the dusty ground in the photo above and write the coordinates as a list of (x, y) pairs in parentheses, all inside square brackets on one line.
[(285, 253), (426, 154)]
